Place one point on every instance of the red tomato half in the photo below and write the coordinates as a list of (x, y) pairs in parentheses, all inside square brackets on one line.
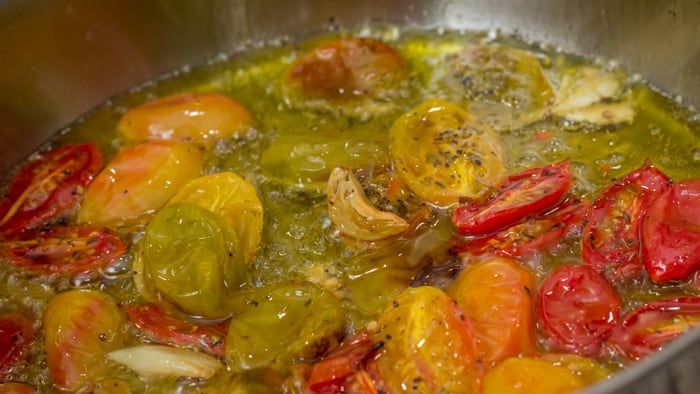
[(48, 187), (15, 337), (527, 193), (645, 330), (63, 250), (535, 234), (611, 243), (337, 370), (577, 309), (671, 233), (159, 326)]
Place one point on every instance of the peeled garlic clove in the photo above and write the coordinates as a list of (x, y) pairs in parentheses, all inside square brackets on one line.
[(157, 361), (353, 214), (588, 85), (604, 113)]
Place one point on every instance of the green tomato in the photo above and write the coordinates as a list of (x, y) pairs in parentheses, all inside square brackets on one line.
[(191, 257), (283, 323)]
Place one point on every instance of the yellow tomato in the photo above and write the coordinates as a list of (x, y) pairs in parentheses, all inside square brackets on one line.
[(496, 297), (443, 154), (140, 180), (195, 117), (428, 344), (528, 375), (233, 198)]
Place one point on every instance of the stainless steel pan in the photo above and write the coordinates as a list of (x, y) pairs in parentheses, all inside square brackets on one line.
[(60, 58)]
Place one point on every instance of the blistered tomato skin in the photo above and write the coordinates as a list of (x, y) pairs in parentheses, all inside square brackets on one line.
[(611, 236), (201, 118), (671, 233), (48, 187), (140, 180), (344, 68), (529, 192), (429, 346), (81, 327), (63, 250), (338, 370), (496, 296), (444, 155), (577, 309), (16, 333)]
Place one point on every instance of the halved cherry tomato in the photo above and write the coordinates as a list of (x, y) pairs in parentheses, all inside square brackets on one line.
[(528, 375), (535, 234), (16, 333), (577, 309), (62, 250), (139, 180), (647, 329), (48, 187), (671, 233), (337, 370), (345, 68), (189, 117), (496, 297), (527, 193), (428, 344), (443, 154), (611, 236), (160, 326)]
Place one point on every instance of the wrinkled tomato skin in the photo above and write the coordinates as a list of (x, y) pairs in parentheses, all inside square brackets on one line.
[(337, 370), (671, 233), (577, 309), (16, 333), (63, 250), (611, 236), (527, 193), (534, 235), (159, 326), (647, 329), (48, 187)]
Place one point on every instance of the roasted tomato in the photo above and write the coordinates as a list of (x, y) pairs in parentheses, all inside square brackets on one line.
[(527, 193), (191, 257), (81, 327), (528, 375), (428, 344), (647, 329), (577, 309), (611, 236), (497, 297), (671, 233), (62, 250), (336, 372), (16, 388), (48, 187), (344, 68), (16, 333), (232, 197), (191, 117), (140, 180), (535, 234), (158, 325), (443, 154)]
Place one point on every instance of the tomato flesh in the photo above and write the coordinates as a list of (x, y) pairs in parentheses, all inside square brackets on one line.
[(577, 309), (671, 233), (48, 187), (63, 250), (529, 192), (337, 370), (16, 333), (611, 236)]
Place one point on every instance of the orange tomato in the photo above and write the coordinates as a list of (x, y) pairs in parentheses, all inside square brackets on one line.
[(140, 180), (195, 117), (428, 345), (496, 297), (528, 375)]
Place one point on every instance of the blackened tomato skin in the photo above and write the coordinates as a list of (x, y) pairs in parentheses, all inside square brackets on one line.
[(611, 236), (527, 193), (48, 187), (16, 333), (671, 233), (577, 308)]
